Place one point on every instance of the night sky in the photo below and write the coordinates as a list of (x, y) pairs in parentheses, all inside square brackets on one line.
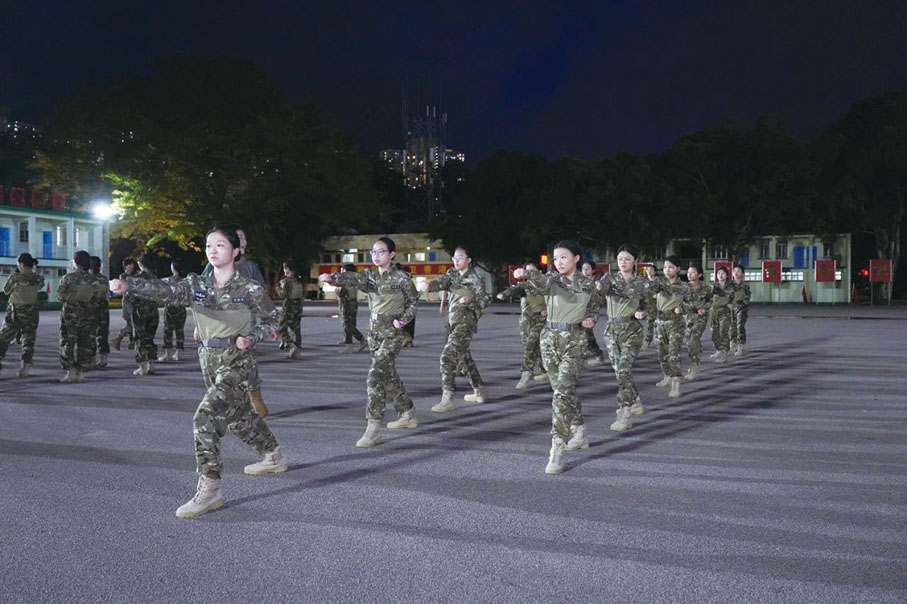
[(588, 79)]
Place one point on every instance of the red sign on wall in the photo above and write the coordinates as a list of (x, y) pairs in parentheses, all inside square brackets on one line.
[(726, 264), (602, 270), (880, 271), (825, 271), (771, 271), (17, 196)]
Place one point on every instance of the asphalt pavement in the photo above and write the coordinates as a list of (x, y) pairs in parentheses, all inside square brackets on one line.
[(778, 477)]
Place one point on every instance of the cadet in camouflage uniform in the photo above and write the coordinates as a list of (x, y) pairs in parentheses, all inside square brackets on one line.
[(129, 268), (22, 313), (697, 309), (232, 314), (348, 302), (651, 331), (595, 356), (292, 291), (739, 309), (174, 319), (393, 301), (101, 305), (625, 294), (77, 320), (723, 293), (670, 295), (573, 305), (532, 321), (145, 319), (467, 300)]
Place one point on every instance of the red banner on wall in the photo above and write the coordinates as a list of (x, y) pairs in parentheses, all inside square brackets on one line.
[(826, 271), (37, 199), (771, 271), (58, 201), (726, 264), (602, 269), (17, 197), (880, 271)]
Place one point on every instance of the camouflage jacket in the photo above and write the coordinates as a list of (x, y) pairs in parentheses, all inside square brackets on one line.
[(567, 301), (77, 287), (699, 298), (723, 296), (101, 291), (291, 288), (347, 295), (145, 305), (741, 294), (22, 288), (469, 285), (172, 280), (625, 296), (669, 296), (530, 303), (392, 293), (245, 267), (240, 307)]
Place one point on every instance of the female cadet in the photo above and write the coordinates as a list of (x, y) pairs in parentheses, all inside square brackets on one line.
[(393, 301), (697, 309), (22, 315), (467, 299), (174, 319), (532, 321), (739, 309), (670, 295), (573, 306), (723, 293), (145, 319), (596, 356), (625, 294), (77, 322), (100, 348), (292, 291), (232, 313), (348, 302)]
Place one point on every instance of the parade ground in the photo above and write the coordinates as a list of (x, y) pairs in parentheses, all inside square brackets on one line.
[(780, 476)]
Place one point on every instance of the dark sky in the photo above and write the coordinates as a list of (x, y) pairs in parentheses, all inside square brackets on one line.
[(587, 79)]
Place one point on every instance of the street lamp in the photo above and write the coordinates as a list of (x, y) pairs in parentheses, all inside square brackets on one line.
[(103, 210)]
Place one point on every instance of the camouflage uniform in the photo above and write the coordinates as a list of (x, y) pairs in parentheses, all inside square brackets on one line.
[(696, 323), (463, 320), (145, 319), (77, 320), (668, 324), (22, 314), (174, 320), (563, 341), (348, 307), (740, 306), (651, 332), (240, 307), (101, 307), (391, 295), (721, 316), (126, 330), (624, 334), (532, 321), (291, 290)]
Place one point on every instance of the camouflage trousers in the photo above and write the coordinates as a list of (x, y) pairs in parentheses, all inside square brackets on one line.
[(650, 329), (592, 343), (670, 339), (21, 320), (530, 333), (288, 328), (348, 312), (694, 329), (78, 326), (624, 341), (145, 319), (102, 334), (721, 328), (385, 342), (463, 324), (174, 326), (126, 330), (562, 353), (738, 323), (226, 406)]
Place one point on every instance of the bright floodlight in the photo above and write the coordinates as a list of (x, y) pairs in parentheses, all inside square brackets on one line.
[(102, 210)]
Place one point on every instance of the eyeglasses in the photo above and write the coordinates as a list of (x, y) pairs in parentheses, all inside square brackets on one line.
[(461, 258), (380, 252)]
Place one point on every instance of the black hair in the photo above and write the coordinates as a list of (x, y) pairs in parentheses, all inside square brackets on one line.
[(26, 259), (146, 259), (349, 267), (96, 265), (127, 262), (178, 265), (673, 259), (228, 231), (630, 249), (697, 266), (723, 268), (740, 266), (82, 259), (570, 246), (391, 246), (291, 264), (463, 247), (590, 263)]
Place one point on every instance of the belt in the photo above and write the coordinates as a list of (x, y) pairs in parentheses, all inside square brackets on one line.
[(383, 318), (563, 326), (627, 319), (218, 342)]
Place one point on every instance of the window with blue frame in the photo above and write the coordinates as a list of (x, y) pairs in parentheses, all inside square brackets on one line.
[(5, 249), (47, 244)]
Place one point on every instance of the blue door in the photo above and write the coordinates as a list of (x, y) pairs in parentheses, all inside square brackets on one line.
[(745, 259), (47, 241), (799, 257), (4, 242)]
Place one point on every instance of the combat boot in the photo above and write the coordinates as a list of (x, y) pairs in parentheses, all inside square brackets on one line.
[(371, 436), (692, 373), (294, 354), (72, 376), (523, 384), (540, 377), (721, 357), (739, 351), (636, 408), (407, 419), (117, 340), (207, 498), (446, 403), (102, 360), (578, 439), (273, 463), (258, 403), (675, 388), (594, 361), (477, 396), (624, 420), (177, 355), (165, 357), (664, 382), (715, 354), (143, 368), (363, 344), (347, 349), (24, 369), (556, 457)]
